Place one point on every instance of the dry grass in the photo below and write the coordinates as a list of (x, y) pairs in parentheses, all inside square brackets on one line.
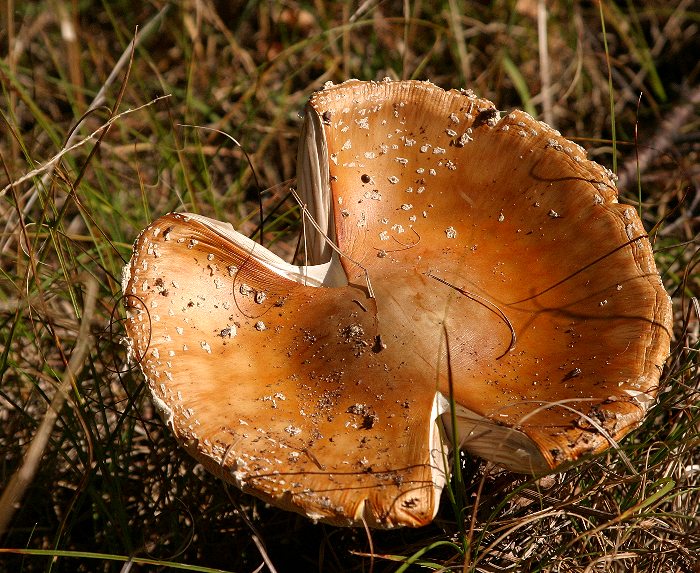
[(110, 480)]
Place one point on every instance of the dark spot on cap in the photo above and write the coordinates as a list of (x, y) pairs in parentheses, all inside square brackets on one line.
[(575, 373), (378, 344), (484, 116)]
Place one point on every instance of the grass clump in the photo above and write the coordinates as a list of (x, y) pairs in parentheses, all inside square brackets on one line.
[(109, 488)]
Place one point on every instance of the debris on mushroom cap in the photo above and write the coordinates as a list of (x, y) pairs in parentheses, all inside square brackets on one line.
[(325, 394)]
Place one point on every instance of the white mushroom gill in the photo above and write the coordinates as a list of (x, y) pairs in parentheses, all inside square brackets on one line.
[(504, 445), (328, 274), (439, 447), (314, 189)]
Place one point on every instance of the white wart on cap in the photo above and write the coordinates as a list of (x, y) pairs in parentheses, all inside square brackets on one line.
[(498, 258)]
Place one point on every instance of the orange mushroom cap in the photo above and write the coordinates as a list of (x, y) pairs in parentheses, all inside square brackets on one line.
[(478, 261)]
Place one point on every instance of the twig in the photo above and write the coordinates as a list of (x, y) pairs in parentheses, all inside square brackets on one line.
[(20, 480), (265, 556)]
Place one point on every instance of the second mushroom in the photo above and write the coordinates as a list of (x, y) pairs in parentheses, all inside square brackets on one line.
[(455, 258)]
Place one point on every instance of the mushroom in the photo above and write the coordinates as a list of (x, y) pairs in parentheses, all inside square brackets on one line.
[(458, 258)]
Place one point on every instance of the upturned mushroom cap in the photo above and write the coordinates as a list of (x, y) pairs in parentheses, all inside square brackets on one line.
[(482, 260), (500, 236), (276, 384)]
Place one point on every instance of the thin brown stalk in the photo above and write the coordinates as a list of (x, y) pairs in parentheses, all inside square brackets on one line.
[(458, 33), (545, 74)]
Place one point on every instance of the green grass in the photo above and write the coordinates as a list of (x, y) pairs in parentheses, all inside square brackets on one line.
[(112, 483)]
